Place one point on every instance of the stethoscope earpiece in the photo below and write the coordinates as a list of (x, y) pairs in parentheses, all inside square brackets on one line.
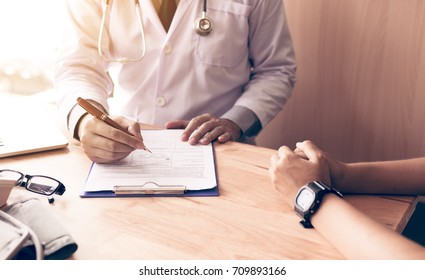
[(203, 26)]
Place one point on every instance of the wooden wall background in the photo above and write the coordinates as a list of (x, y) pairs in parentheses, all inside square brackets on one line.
[(360, 91)]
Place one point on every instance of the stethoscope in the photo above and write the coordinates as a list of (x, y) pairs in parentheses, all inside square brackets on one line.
[(202, 26)]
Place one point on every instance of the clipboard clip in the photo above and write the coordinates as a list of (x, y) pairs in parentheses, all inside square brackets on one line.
[(148, 188)]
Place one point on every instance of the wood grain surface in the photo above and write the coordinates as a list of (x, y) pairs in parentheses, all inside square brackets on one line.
[(247, 221), (360, 90)]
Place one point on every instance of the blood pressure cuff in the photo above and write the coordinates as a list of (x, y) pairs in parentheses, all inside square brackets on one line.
[(56, 242)]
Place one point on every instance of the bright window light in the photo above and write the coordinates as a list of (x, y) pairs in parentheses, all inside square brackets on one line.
[(30, 32)]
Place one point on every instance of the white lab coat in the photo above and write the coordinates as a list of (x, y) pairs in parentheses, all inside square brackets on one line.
[(247, 60)]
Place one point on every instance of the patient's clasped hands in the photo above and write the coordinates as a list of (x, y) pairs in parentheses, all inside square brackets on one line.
[(289, 170)]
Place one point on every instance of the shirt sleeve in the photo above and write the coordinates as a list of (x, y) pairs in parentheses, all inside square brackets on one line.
[(247, 121), (75, 116)]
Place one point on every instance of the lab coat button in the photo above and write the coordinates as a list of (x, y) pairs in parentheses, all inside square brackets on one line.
[(160, 101), (168, 49)]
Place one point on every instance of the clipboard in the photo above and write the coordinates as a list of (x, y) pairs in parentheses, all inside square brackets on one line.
[(174, 168)]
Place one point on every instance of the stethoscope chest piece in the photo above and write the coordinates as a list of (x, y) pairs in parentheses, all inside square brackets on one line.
[(203, 26)]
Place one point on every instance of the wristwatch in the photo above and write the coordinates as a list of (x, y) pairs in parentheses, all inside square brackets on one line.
[(309, 198)]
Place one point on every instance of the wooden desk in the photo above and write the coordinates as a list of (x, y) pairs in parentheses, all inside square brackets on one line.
[(247, 220)]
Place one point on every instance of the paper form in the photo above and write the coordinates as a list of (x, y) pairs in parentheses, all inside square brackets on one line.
[(172, 162)]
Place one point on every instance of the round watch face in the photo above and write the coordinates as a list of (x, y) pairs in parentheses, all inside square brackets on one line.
[(305, 199)]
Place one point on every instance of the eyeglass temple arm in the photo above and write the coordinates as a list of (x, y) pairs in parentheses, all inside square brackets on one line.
[(60, 189)]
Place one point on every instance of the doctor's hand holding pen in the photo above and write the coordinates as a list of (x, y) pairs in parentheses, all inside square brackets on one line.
[(107, 139)]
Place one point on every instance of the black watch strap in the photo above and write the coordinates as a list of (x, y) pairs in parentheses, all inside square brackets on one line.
[(320, 189)]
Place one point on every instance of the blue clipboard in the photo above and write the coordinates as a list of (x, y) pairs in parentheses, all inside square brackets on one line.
[(152, 187), (204, 192)]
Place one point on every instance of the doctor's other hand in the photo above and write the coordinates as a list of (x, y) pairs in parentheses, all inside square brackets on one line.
[(206, 128), (289, 171), (103, 143)]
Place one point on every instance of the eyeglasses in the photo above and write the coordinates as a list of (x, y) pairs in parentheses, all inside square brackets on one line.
[(34, 183)]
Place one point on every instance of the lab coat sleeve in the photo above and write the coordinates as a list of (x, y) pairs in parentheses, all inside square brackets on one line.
[(79, 70), (273, 60)]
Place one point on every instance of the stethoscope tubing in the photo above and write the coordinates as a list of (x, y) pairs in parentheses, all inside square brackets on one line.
[(202, 26)]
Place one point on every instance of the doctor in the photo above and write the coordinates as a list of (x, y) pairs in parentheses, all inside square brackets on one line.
[(219, 69)]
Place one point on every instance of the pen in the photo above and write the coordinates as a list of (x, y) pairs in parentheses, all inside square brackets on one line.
[(92, 110)]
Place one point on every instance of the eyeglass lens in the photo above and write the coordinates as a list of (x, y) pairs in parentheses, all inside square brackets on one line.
[(38, 184), (42, 185), (12, 175)]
